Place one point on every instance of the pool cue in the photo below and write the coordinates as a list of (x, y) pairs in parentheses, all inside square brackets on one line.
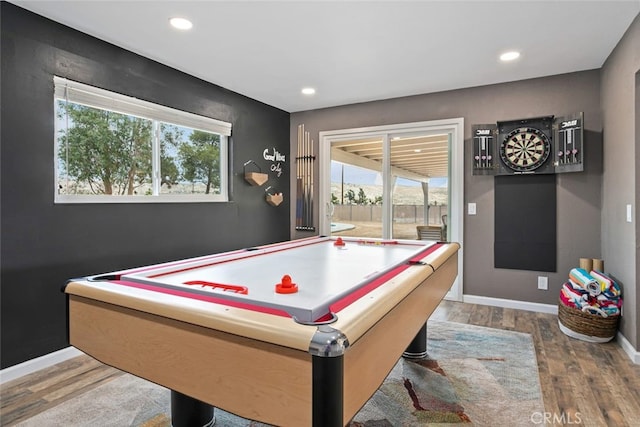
[(306, 180), (303, 159), (305, 192), (299, 180), (311, 196)]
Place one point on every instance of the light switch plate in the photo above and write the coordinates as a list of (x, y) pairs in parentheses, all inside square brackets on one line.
[(543, 283), (471, 208)]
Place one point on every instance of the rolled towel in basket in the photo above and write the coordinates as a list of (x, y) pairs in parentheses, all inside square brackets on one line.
[(610, 307), (573, 295), (581, 277), (608, 286), (566, 298)]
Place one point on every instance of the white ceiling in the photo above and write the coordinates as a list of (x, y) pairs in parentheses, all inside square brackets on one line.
[(355, 51)]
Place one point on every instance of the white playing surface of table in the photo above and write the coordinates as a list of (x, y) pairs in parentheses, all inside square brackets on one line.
[(324, 273)]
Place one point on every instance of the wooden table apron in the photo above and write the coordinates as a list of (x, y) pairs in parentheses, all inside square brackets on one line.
[(252, 364)]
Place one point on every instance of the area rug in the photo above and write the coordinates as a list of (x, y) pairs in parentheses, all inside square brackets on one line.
[(474, 376)]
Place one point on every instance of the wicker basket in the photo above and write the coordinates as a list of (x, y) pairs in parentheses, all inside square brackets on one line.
[(600, 328)]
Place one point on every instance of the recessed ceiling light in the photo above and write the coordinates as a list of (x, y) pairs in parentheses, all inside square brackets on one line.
[(308, 91), (417, 150), (509, 56), (181, 23)]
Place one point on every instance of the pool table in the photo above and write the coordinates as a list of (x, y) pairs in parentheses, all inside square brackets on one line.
[(297, 333)]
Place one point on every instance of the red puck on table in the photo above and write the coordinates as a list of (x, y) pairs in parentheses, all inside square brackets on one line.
[(286, 286), (339, 242)]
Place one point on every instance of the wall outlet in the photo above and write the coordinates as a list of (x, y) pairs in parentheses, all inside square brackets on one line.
[(543, 283), (471, 208)]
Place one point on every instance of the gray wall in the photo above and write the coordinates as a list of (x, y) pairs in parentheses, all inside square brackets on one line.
[(621, 172), (44, 244), (578, 195)]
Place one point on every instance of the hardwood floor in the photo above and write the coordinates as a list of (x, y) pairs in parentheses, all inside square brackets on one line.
[(582, 383)]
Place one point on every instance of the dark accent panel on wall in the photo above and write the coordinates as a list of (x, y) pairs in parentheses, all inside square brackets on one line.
[(44, 244), (525, 222)]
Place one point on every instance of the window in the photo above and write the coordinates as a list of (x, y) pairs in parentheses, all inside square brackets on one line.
[(115, 148)]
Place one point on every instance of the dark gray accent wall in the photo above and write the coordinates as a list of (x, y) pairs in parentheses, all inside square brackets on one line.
[(44, 244), (578, 194)]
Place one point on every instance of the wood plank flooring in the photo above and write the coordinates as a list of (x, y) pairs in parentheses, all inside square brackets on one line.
[(582, 383)]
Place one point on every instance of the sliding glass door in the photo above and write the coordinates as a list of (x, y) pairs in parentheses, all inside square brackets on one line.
[(390, 186), (419, 181), (400, 181), (357, 188)]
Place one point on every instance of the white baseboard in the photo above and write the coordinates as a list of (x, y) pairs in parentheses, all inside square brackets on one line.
[(33, 365), (509, 303), (626, 346)]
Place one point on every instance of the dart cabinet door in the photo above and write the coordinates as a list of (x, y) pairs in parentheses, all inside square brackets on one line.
[(568, 143), (484, 159), (525, 222)]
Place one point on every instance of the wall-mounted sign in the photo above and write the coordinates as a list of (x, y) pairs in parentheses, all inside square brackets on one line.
[(276, 158)]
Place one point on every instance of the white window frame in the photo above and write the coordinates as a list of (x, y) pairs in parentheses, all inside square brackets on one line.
[(90, 96)]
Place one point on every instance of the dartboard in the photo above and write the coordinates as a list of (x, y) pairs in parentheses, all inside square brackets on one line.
[(525, 149)]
